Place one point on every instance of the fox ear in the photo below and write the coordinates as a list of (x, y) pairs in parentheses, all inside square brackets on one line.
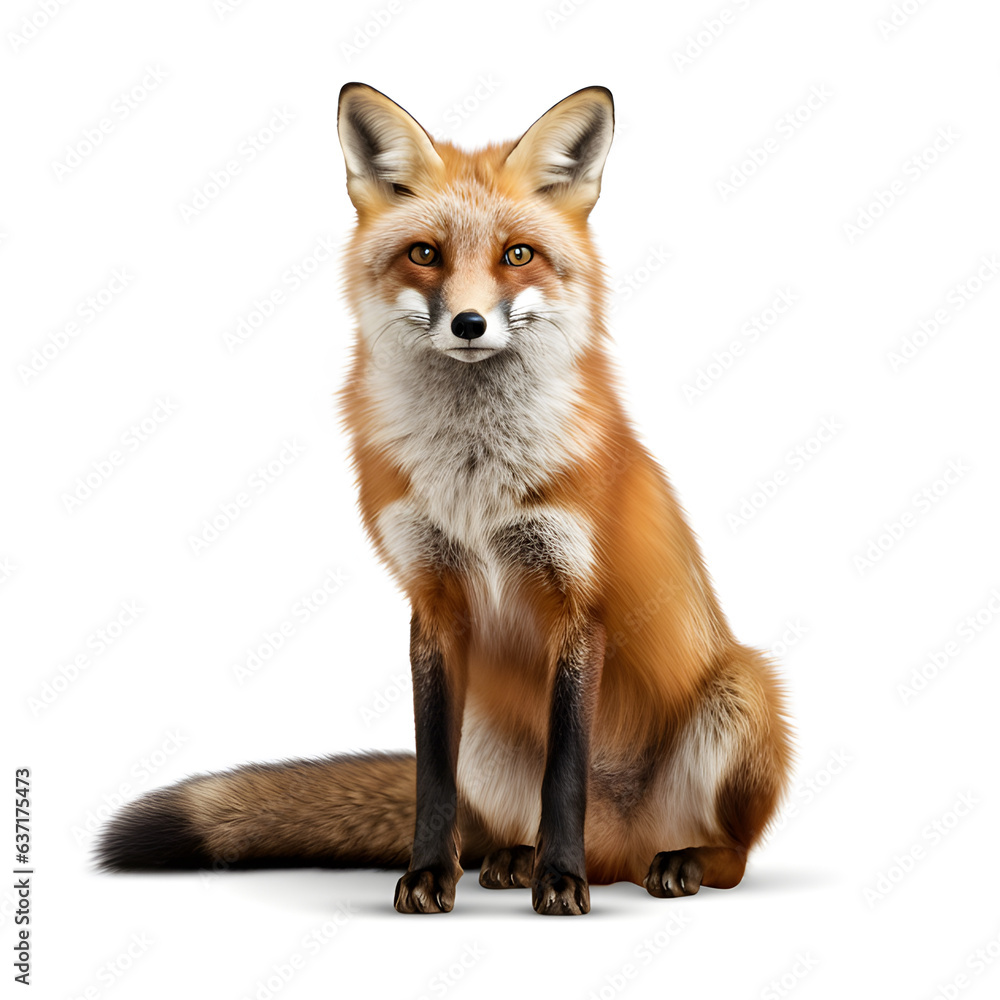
[(562, 155), (388, 155)]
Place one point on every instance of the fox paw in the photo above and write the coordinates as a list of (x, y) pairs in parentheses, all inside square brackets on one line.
[(425, 891), (557, 894), (508, 868), (674, 873)]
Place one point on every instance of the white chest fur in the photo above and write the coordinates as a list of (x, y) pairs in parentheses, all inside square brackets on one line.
[(475, 440)]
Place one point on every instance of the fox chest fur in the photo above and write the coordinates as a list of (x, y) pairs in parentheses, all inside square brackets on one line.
[(478, 446)]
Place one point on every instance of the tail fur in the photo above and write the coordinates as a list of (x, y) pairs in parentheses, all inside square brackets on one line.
[(345, 811)]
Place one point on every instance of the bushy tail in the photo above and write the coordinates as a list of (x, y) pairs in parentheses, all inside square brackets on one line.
[(349, 811)]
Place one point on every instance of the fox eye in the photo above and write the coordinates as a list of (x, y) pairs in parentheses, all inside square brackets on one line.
[(424, 254), (518, 255)]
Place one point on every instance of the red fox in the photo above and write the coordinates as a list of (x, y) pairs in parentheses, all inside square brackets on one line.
[(582, 711)]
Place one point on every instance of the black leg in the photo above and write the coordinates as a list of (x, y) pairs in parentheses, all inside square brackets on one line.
[(559, 883), (429, 884)]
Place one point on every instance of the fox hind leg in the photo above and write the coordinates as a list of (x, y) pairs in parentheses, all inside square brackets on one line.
[(683, 873), (737, 751)]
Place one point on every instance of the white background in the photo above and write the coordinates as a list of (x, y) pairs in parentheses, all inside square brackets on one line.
[(857, 892)]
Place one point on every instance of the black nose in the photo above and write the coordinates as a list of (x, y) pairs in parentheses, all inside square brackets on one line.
[(468, 325)]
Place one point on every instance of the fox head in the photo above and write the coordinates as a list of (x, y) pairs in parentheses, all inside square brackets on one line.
[(474, 256)]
